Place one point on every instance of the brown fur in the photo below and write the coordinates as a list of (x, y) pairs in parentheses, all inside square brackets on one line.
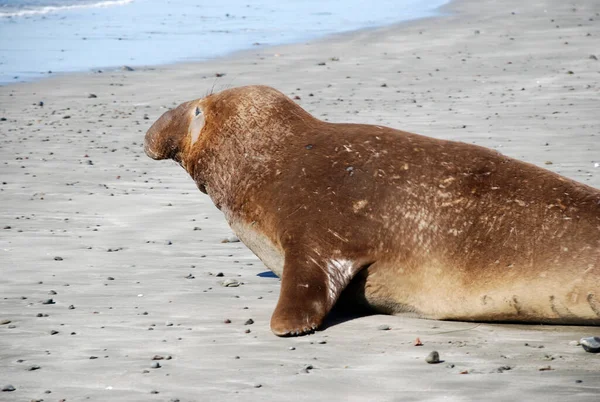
[(443, 229)]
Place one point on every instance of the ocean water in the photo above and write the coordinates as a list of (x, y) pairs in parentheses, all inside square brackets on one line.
[(43, 37)]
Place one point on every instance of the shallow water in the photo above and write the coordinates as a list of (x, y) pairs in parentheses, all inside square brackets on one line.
[(40, 37)]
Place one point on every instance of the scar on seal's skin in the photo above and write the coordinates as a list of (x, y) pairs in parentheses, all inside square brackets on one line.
[(553, 307), (592, 302), (484, 299), (565, 314), (516, 305)]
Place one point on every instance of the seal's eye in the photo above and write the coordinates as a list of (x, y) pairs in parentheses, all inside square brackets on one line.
[(197, 112)]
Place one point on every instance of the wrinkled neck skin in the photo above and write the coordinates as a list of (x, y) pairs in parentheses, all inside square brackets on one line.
[(242, 137)]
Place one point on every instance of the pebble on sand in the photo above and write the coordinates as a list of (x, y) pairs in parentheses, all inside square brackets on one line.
[(384, 327), (230, 283), (433, 357), (591, 344), (155, 365), (8, 388), (307, 369), (502, 369)]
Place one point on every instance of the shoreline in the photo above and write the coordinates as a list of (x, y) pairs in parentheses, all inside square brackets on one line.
[(264, 27), (90, 222)]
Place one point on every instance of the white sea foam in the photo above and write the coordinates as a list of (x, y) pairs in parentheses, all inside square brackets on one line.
[(55, 9)]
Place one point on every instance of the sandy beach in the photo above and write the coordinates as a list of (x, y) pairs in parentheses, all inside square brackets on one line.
[(110, 260)]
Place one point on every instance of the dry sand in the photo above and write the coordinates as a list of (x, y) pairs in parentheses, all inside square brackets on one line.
[(517, 76)]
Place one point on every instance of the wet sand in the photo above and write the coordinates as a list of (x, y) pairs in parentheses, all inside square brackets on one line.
[(131, 253)]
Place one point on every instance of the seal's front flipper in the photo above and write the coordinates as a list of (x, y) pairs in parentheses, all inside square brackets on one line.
[(309, 289)]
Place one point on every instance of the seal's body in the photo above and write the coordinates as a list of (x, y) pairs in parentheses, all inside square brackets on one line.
[(442, 229)]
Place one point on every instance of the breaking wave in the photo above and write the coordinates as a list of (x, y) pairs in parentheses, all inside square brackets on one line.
[(55, 9)]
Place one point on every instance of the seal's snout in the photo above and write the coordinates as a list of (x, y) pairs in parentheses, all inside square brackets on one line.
[(149, 152), (164, 138), (150, 143), (155, 138)]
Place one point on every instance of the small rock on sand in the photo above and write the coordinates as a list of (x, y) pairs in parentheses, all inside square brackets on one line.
[(230, 283), (502, 369), (307, 369), (231, 239), (591, 344), (8, 388), (433, 358), (384, 327)]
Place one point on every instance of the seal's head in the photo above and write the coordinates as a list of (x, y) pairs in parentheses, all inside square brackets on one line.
[(175, 131), (212, 137)]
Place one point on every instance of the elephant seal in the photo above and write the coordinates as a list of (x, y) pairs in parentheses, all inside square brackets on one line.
[(443, 229)]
